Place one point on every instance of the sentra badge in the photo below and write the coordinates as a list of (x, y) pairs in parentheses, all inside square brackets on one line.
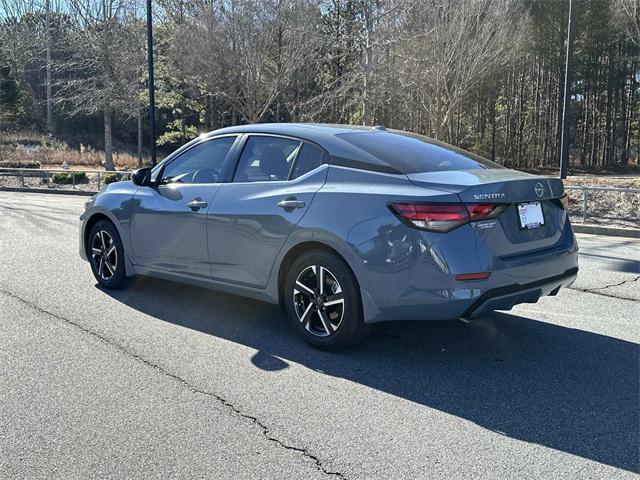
[(488, 196)]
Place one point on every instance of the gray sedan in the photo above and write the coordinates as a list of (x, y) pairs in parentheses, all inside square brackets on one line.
[(343, 226)]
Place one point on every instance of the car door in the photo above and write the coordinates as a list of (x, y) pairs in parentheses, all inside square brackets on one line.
[(249, 220), (168, 220)]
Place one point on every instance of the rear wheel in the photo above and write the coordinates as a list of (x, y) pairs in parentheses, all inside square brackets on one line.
[(106, 255), (322, 300)]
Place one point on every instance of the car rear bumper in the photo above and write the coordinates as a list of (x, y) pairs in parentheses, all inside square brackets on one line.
[(417, 280), (470, 299), (504, 298)]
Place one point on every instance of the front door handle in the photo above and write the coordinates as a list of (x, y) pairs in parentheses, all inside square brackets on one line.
[(197, 204), (290, 203)]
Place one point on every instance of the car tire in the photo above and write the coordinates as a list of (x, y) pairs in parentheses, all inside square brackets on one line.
[(326, 314), (106, 255)]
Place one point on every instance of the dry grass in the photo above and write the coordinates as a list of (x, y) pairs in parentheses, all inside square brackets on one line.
[(619, 181), (50, 151), (617, 209)]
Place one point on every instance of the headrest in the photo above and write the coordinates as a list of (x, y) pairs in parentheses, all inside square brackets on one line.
[(274, 163)]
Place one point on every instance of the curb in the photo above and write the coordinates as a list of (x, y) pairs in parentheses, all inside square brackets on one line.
[(47, 190), (608, 231)]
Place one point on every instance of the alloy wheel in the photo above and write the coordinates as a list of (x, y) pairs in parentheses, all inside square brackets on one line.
[(104, 255), (318, 301)]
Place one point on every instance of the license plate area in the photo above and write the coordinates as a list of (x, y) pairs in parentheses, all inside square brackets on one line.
[(530, 215)]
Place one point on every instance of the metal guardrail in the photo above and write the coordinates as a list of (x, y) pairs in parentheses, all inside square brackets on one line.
[(48, 173), (585, 194)]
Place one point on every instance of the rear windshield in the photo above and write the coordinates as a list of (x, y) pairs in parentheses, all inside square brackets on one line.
[(410, 153)]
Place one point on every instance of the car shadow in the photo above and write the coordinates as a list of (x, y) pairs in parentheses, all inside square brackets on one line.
[(563, 388), (616, 264)]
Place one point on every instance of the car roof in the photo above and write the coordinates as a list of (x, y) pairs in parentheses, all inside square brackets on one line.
[(323, 134), (304, 130)]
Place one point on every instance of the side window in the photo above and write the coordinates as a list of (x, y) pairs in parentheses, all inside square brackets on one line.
[(309, 158), (266, 159), (200, 164)]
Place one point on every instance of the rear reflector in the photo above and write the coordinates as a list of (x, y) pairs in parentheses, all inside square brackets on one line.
[(473, 276), (444, 217)]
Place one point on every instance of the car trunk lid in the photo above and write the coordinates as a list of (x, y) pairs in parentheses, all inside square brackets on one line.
[(494, 185), (504, 234)]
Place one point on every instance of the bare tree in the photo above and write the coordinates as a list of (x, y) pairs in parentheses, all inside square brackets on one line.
[(106, 58), (17, 8), (48, 66), (258, 46), (454, 47), (483, 74), (21, 38), (274, 40), (627, 13), (30, 36)]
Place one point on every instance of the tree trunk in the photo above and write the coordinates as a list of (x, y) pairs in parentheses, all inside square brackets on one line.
[(48, 55), (108, 146), (367, 117), (493, 126), (632, 104), (140, 138)]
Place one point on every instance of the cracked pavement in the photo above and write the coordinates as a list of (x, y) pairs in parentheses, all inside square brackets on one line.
[(165, 380), (601, 290), (613, 267)]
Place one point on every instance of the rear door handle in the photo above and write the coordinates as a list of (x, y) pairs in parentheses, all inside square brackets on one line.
[(291, 203), (197, 204)]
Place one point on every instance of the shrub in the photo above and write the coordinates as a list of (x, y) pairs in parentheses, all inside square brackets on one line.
[(69, 177), (19, 164), (112, 177)]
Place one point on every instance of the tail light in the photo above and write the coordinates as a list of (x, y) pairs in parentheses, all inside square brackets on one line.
[(444, 217)]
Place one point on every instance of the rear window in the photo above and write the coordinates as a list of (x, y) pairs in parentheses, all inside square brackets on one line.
[(410, 153)]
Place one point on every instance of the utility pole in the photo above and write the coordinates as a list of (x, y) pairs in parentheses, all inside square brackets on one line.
[(152, 101), (564, 146), (48, 85)]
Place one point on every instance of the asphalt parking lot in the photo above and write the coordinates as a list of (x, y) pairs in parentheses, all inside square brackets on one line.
[(164, 380)]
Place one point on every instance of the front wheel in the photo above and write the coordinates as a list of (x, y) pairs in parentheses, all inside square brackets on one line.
[(106, 255), (322, 300)]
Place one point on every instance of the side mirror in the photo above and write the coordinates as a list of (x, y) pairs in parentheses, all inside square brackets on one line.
[(141, 177)]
